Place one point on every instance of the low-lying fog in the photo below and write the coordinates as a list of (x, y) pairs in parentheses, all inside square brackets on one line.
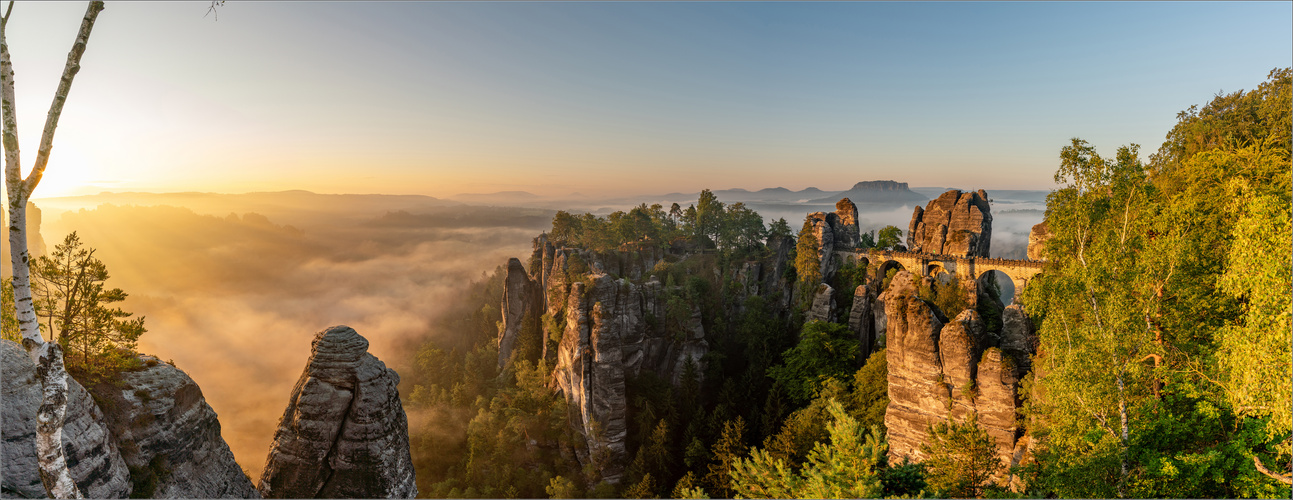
[(235, 286)]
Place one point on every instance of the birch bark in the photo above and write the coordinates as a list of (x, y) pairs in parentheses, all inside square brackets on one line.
[(48, 356)]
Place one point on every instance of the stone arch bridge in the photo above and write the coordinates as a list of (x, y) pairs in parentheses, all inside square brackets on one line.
[(1019, 271)]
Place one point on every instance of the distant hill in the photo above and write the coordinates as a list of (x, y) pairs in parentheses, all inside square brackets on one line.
[(870, 192), (778, 194), (283, 206)]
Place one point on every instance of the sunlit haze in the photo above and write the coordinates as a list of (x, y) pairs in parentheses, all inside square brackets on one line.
[(440, 98)]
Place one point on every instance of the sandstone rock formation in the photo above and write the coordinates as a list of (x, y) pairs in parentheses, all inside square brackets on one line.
[(521, 296), (344, 433), (607, 338), (823, 308), (92, 455), (862, 319), (956, 223), (834, 231), (1037, 239), (161, 420), (943, 369), (154, 421)]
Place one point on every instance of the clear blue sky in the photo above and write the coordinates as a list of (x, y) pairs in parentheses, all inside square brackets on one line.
[(441, 98)]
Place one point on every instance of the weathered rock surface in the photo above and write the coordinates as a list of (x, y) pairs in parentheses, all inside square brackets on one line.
[(861, 318), (835, 231), (1037, 239), (92, 455), (521, 296), (823, 308), (155, 420), (941, 369), (607, 338), (160, 417), (344, 433), (846, 229), (956, 223), (1018, 337)]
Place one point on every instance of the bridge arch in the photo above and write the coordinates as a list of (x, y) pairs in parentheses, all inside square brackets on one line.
[(1004, 283)]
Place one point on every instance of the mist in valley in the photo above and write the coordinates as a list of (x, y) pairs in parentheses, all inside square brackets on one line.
[(234, 287)]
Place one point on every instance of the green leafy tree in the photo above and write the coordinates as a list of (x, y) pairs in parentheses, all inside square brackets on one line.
[(890, 238), (962, 458), (825, 351)]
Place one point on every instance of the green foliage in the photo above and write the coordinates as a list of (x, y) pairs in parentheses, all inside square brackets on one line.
[(727, 452), (870, 396), (961, 458), (825, 351), (70, 296), (950, 298), (846, 468), (1164, 310), (779, 229), (808, 263), (845, 282), (1254, 354), (890, 238), (144, 479), (8, 319)]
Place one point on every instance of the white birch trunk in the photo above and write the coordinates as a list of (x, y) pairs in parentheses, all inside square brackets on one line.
[(48, 356)]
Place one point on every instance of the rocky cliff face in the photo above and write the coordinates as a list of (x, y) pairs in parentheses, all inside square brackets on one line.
[(943, 369), (165, 427), (955, 223), (344, 433), (522, 301), (154, 425), (835, 231), (1037, 239), (606, 316), (91, 453)]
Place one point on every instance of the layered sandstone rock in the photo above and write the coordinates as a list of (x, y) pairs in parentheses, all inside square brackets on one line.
[(92, 455), (945, 369), (607, 338), (862, 319), (1037, 239), (823, 308), (834, 231), (344, 433), (154, 425), (956, 223), (165, 427), (522, 296)]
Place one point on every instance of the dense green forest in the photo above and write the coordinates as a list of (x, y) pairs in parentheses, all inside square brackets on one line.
[(1163, 367)]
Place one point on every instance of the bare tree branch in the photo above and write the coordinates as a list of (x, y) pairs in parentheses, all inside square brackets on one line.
[(212, 9), (1283, 478), (7, 11)]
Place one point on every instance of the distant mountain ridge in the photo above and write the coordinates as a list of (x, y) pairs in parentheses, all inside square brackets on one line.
[(876, 192)]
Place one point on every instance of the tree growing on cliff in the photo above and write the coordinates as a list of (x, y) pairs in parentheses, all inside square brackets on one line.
[(69, 291), (47, 355)]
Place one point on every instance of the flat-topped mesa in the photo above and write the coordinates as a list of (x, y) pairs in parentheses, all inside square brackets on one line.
[(880, 186), (956, 223), (344, 433)]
